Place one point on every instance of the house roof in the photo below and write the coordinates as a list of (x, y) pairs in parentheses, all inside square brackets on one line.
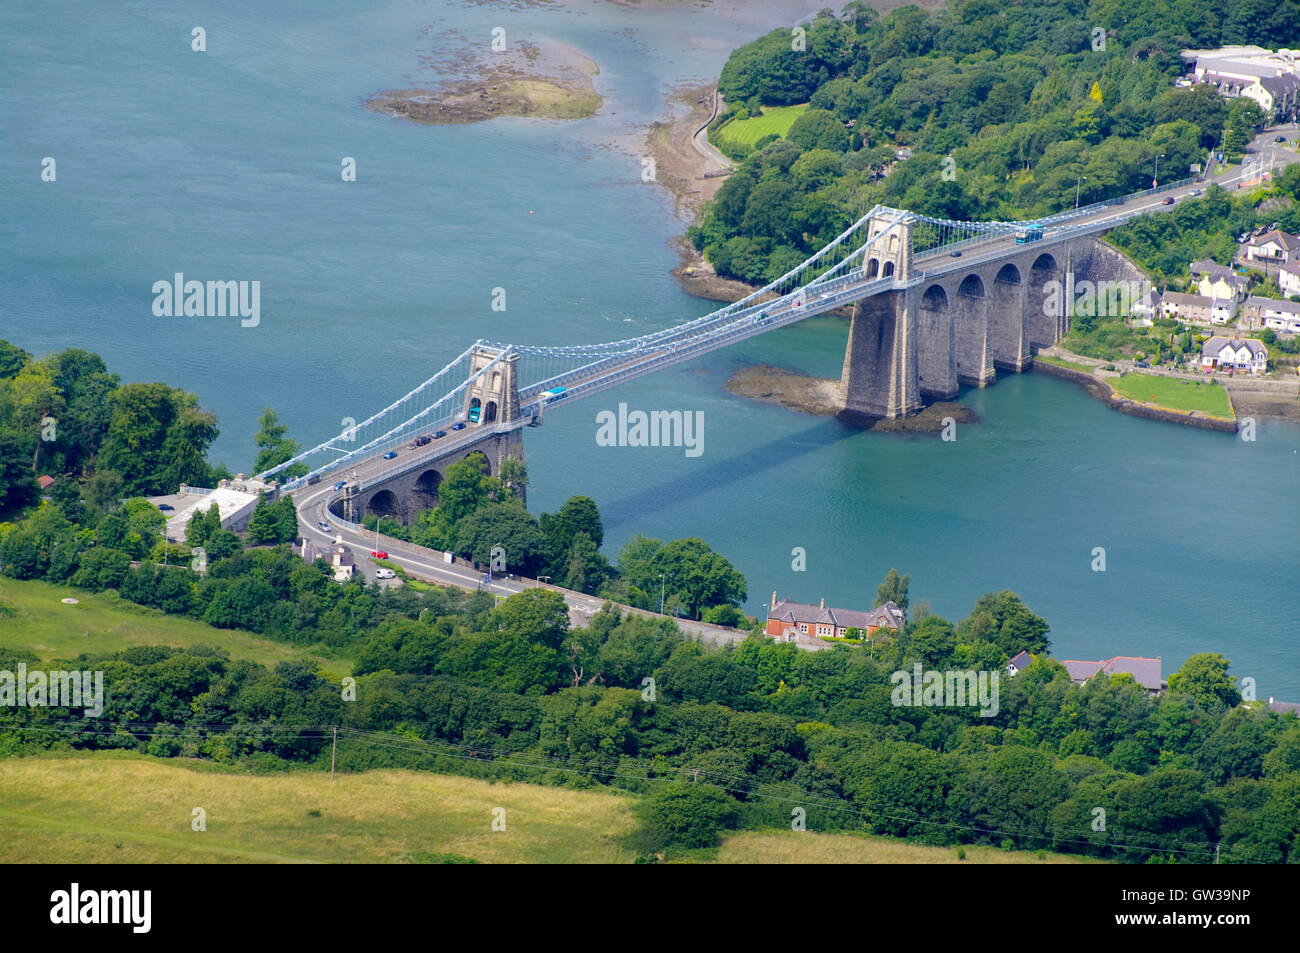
[(1081, 671), (1207, 267), (1021, 660), (1273, 304), (1146, 671), (1283, 707), (1289, 242), (787, 611), (45, 481), (1216, 344), (798, 612), (1280, 85), (1175, 297)]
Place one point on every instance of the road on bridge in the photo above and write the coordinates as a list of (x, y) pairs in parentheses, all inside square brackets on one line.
[(428, 565)]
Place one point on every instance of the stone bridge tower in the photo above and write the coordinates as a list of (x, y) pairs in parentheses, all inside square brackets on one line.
[(496, 393)]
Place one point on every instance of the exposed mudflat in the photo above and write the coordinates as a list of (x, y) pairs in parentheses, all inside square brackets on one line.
[(824, 398), (543, 79)]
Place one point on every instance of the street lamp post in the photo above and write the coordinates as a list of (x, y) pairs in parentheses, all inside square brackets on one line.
[(1156, 174), (1077, 182)]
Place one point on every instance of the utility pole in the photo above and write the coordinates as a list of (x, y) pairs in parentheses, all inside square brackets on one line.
[(334, 752), (661, 593)]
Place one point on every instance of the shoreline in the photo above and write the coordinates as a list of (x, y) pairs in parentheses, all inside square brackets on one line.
[(1247, 398)]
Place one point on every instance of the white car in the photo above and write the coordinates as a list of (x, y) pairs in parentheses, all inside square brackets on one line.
[(385, 574)]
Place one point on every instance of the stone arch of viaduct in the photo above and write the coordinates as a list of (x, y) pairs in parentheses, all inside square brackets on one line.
[(963, 324), (406, 493)]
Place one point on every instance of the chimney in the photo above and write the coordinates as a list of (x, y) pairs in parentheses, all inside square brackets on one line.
[(773, 598), (823, 602)]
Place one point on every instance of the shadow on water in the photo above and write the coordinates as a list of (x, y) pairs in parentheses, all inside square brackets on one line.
[(727, 472)]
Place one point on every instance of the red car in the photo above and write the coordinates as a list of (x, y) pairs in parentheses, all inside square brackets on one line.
[(1169, 200), (379, 554)]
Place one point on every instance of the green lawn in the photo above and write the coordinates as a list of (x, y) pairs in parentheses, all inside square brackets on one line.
[(775, 119), (1173, 394), (1061, 362), (101, 622)]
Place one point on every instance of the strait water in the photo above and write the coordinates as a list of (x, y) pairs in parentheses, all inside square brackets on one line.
[(225, 165)]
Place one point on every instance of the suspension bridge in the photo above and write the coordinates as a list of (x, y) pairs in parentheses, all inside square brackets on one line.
[(937, 303)]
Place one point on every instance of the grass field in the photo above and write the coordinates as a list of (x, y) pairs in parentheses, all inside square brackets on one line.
[(775, 119), (1062, 362), (109, 807), (99, 622), (1174, 394), (115, 807)]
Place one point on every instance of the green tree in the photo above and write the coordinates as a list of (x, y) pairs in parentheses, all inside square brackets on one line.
[(681, 814), (893, 589), (1205, 678), (275, 447)]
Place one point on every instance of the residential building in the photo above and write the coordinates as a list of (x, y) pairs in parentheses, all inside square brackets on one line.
[(1283, 708), (1217, 281), (1272, 313), (1271, 79), (1274, 246), (1145, 671), (336, 554), (1019, 662), (787, 620), (1198, 309), (1145, 308), (1220, 353), (1288, 279)]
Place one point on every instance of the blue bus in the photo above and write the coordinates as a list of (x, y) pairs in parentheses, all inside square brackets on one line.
[(554, 394)]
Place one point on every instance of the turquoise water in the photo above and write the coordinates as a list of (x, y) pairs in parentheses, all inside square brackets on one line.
[(225, 165)]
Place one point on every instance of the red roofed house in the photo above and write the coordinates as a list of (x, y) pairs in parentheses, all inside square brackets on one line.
[(787, 620)]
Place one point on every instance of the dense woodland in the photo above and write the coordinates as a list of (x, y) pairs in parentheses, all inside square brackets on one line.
[(1016, 94)]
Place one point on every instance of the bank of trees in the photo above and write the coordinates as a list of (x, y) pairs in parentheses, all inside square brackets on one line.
[(1006, 111)]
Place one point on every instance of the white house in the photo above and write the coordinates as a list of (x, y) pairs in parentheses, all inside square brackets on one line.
[(1275, 246), (1288, 279), (1145, 308), (1237, 353), (1272, 313)]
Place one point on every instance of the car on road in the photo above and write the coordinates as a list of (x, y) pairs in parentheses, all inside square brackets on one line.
[(390, 454), (955, 254), (458, 425), (1141, 364), (323, 525), (385, 574), (166, 508), (439, 434), (1280, 139), (1167, 200), (341, 484), (379, 554), (1198, 191)]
